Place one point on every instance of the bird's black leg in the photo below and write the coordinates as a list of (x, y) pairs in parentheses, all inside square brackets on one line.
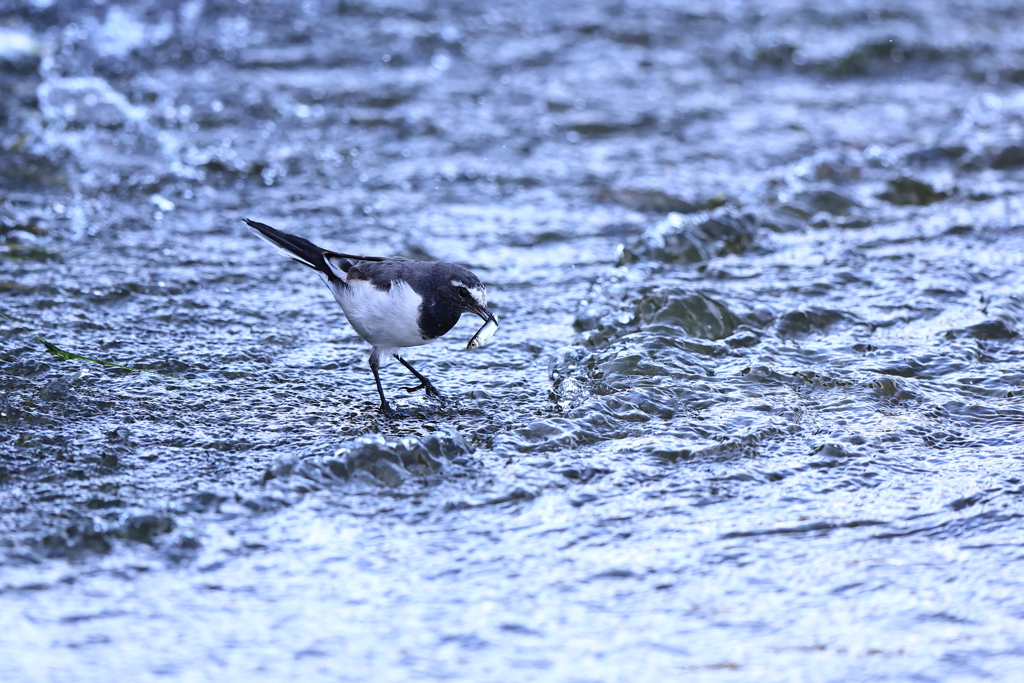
[(425, 384), (375, 367)]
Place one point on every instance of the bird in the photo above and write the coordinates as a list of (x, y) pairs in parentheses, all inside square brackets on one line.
[(393, 303)]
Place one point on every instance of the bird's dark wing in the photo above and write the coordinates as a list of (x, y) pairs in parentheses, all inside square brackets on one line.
[(382, 273)]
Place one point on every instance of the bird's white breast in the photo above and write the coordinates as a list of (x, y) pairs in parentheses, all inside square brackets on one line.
[(383, 318)]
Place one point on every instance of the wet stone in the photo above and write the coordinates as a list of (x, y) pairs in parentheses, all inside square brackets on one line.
[(596, 126), (57, 390), (1009, 158), (121, 436), (204, 502), (833, 453), (781, 222), (697, 314), (904, 191), (809, 320), (654, 200), (183, 547), (892, 388), (831, 202), (936, 155), (743, 339), (145, 528), (990, 329), (75, 540), (668, 316), (693, 238), (388, 462)]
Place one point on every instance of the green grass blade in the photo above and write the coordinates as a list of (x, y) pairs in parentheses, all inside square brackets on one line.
[(67, 355)]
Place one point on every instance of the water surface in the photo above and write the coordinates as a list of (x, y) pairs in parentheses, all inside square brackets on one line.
[(753, 412)]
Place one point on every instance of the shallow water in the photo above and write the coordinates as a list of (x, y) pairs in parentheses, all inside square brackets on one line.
[(753, 411)]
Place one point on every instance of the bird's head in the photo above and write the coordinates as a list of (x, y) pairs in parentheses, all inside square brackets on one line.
[(464, 290)]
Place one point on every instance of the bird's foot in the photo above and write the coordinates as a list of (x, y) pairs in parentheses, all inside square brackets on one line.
[(428, 388)]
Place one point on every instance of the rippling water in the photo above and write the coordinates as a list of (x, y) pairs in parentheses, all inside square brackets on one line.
[(754, 411)]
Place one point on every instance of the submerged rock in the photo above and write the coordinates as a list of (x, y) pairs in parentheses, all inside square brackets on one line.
[(994, 329), (936, 155), (655, 200), (693, 238), (809, 320), (144, 528), (675, 312), (697, 314), (57, 390), (75, 540), (375, 459), (904, 191), (1009, 157), (806, 204)]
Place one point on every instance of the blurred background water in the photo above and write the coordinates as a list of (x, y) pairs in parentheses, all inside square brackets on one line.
[(754, 412)]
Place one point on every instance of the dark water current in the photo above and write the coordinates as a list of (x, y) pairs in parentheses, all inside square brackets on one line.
[(754, 413)]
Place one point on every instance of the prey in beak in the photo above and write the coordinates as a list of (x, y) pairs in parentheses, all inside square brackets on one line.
[(486, 330)]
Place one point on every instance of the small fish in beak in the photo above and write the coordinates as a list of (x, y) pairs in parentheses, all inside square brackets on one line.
[(485, 332)]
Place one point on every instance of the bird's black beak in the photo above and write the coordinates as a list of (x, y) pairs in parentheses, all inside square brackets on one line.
[(483, 313)]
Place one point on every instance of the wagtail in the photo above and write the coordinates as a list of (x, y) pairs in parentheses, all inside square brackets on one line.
[(392, 303)]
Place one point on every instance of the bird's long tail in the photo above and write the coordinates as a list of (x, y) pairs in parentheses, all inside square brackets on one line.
[(290, 246), (304, 251)]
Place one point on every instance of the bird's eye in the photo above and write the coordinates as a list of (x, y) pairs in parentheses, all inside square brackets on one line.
[(463, 292)]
